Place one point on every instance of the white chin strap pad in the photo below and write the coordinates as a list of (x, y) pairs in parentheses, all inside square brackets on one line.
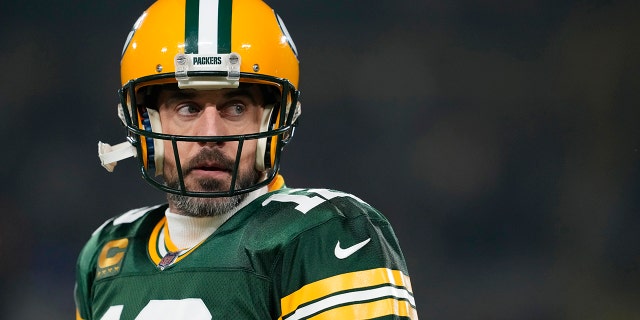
[(110, 155), (261, 148), (158, 145)]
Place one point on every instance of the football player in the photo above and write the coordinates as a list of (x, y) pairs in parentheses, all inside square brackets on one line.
[(209, 98)]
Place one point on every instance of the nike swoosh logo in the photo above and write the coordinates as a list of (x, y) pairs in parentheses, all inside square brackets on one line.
[(346, 252)]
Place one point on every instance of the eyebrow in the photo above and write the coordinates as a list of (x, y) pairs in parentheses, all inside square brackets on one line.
[(191, 93), (245, 92)]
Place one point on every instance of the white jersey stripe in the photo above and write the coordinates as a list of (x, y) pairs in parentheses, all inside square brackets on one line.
[(352, 297)]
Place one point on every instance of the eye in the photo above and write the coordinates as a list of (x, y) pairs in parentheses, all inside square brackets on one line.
[(187, 109), (233, 110)]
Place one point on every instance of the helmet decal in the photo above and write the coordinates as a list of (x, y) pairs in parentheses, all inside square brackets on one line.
[(284, 30), (206, 35), (133, 31)]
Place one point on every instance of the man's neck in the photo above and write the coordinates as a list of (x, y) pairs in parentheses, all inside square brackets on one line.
[(186, 232)]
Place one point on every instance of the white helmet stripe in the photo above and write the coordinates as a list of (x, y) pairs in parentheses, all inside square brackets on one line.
[(207, 27)]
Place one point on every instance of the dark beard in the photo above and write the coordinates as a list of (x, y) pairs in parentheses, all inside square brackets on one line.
[(209, 207)]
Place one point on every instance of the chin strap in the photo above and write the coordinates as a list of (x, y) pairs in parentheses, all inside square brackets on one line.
[(110, 155)]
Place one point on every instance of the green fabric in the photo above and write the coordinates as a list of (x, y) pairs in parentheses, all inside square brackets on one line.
[(269, 249)]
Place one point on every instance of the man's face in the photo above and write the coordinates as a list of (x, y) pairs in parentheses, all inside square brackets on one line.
[(208, 166)]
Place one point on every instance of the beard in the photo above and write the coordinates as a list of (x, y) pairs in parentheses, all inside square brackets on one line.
[(214, 206)]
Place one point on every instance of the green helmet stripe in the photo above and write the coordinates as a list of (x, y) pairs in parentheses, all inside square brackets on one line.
[(206, 35), (224, 26), (191, 26)]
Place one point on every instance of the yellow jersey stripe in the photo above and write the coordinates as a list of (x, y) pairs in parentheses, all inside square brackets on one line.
[(78, 317), (152, 249), (160, 242), (353, 303), (347, 281), (167, 239)]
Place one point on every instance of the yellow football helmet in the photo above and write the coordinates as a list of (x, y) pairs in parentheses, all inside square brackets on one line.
[(203, 45)]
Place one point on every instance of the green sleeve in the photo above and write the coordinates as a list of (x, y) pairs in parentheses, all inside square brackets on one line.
[(347, 267)]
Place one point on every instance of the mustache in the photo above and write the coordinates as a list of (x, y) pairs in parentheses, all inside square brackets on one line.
[(207, 158)]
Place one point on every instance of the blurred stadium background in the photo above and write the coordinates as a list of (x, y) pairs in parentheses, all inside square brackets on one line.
[(500, 138)]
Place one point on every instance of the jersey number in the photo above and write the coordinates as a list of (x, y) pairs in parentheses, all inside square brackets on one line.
[(305, 202), (192, 309)]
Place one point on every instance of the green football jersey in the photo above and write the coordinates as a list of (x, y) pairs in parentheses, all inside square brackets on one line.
[(289, 254)]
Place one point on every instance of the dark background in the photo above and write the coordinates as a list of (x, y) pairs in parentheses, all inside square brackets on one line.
[(499, 137)]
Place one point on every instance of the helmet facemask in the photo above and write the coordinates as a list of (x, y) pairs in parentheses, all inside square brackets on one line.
[(142, 120)]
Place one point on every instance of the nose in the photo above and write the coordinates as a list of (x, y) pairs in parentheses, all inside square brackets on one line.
[(210, 123)]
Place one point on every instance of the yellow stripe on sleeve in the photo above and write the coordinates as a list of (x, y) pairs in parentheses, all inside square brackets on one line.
[(346, 281), (78, 317)]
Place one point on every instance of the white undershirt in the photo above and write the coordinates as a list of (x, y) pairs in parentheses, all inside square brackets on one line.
[(186, 232)]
